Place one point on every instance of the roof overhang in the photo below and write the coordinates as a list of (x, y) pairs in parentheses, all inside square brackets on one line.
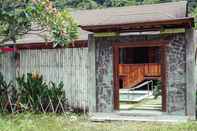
[(187, 22)]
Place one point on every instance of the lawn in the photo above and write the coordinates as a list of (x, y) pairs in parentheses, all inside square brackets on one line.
[(71, 122)]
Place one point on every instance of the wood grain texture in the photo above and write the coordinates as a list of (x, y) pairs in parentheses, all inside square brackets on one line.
[(133, 74)]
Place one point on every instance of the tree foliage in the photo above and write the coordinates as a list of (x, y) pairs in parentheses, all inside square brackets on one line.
[(82, 4), (17, 18), (90, 4), (118, 3), (192, 5), (59, 23), (151, 1), (194, 14), (14, 20)]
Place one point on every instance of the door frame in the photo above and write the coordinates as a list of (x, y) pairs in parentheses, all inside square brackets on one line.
[(159, 43)]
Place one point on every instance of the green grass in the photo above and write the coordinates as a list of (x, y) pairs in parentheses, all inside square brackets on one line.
[(71, 122)]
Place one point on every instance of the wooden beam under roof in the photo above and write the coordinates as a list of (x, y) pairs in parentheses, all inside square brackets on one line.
[(187, 22)]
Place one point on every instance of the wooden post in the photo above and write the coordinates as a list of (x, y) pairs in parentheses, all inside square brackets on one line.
[(91, 73), (163, 77), (116, 77), (190, 75)]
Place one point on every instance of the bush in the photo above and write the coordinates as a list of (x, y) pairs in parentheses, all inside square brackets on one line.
[(7, 90), (31, 93), (157, 89), (30, 88), (38, 95)]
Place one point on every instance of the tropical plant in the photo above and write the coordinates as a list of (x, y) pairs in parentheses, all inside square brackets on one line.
[(194, 14), (30, 88), (157, 89), (7, 91), (36, 94), (57, 94)]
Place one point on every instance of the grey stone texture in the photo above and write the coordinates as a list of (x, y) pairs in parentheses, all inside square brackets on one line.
[(175, 73)]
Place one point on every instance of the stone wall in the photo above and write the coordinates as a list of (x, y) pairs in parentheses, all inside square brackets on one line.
[(176, 74), (104, 68), (175, 58), (104, 77)]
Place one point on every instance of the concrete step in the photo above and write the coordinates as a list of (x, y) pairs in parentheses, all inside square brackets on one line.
[(126, 106), (146, 108), (134, 96), (102, 117), (136, 112), (140, 108)]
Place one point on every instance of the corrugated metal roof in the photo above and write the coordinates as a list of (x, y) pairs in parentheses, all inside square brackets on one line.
[(118, 15)]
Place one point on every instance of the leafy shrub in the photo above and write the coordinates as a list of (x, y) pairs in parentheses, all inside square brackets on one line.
[(57, 95), (38, 95), (30, 88), (7, 89), (31, 93), (157, 89)]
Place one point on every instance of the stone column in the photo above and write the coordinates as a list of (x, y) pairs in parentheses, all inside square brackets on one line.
[(91, 73), (190, 75)]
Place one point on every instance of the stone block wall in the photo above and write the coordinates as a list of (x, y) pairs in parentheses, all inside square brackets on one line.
[(175, 73), (104, 77), (104, 68)]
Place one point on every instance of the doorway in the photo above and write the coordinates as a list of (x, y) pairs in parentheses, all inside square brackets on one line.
[(139, 77)]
